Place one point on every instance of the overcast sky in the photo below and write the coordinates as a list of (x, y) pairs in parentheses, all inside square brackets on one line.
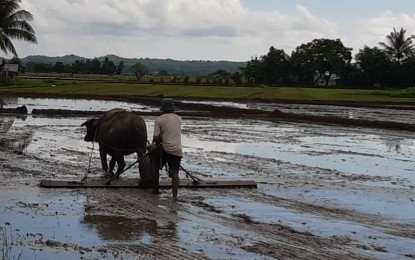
[(233, 30)]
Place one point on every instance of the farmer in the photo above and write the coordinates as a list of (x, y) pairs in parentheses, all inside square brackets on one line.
[(167, 134)]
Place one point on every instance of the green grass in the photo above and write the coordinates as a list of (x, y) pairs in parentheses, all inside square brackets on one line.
[(5, 245), (73, 88), (6, 241)]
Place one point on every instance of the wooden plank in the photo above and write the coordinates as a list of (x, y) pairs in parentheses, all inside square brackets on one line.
[(134, 183)]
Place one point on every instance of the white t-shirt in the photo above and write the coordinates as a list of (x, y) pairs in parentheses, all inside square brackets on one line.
[(169, 127)]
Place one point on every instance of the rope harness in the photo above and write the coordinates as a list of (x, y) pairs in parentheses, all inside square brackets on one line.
[(90, 156)]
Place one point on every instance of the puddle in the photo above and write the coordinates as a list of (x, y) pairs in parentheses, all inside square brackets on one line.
[(55, 220), (37, 218), (16, 142), (219, 103), (58, 215), (116, 228)]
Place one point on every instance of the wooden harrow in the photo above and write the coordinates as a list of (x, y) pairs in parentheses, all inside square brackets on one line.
[(134, 183)]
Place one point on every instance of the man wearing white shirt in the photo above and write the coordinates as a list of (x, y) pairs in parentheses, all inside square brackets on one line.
[(167, 132)]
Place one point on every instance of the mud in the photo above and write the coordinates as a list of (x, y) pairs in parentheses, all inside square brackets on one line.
[(325, 191)]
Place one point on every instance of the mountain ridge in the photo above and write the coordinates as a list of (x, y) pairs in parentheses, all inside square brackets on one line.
[(153, 65)]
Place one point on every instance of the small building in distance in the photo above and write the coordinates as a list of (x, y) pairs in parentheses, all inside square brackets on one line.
[(8, 70)]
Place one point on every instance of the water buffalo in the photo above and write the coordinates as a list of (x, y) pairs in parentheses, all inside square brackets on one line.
[(118, 133)]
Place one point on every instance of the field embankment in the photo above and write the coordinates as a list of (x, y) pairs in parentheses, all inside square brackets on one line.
[(100, 88)]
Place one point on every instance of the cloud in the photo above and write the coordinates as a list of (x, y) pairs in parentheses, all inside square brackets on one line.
[(373, 30), (186, 29)]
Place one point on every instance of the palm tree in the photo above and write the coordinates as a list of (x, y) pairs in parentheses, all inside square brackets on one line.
[(14, 25), (398, 46)]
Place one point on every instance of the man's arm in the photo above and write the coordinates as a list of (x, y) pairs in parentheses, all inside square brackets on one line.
[(157, 132), (157, 139)]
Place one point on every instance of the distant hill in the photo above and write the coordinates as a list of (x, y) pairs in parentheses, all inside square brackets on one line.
[(173, 67), (67, 59)]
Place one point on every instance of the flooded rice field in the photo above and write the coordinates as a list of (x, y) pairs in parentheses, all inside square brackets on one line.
[(391, 113), (324, 191)]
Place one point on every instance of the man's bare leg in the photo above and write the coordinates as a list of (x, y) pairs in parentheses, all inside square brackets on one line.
[(175, 182)]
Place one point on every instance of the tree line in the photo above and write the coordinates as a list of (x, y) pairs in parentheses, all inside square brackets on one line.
[(325, 61), (82, 66), (125, 66)]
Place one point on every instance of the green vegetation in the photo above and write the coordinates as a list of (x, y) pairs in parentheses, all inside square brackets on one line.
[(6, 248), (405, 93), (14, 24), (324, 62), (102, 89)]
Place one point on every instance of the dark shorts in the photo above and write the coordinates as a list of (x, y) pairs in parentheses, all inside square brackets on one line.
[(173, 161)]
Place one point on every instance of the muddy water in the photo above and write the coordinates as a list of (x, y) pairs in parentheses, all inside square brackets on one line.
[(59, 220), (392, 114), (374, 153), (328, 181)]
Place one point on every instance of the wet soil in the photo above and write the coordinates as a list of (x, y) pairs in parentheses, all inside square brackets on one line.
[(325, 191)]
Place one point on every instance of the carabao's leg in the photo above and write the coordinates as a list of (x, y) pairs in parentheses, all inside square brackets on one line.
[(121, 163), (112, 165), (103, 156)]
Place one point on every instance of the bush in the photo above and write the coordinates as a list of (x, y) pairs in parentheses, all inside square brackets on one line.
[(50, 81), (7, 81), (406, 93)]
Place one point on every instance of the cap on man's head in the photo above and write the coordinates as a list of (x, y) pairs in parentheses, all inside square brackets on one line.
[(167, 104)]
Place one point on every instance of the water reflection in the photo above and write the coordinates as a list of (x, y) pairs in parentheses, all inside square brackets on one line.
[(120, 228), (397, 148), (6, 124), (18, 141), (394, 144)]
